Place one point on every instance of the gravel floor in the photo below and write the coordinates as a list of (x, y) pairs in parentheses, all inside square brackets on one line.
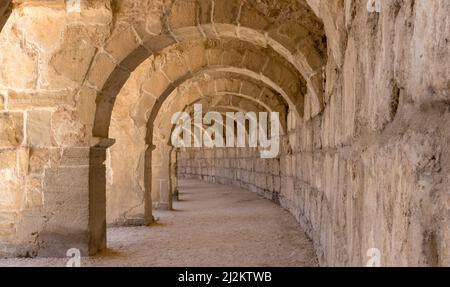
[(212, 225)]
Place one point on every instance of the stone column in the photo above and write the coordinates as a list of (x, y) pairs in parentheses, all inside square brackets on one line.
[(75, 202), (173, 175), (97, 195), (161, 183), (148, 206)]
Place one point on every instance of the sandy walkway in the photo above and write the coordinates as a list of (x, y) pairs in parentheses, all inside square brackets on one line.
[(212, 225)]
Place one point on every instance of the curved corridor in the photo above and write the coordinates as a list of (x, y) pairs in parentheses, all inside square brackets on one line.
[(336, 111), (212, 225)]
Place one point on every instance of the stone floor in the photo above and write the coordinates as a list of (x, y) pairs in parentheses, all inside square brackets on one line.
[(212, 225)]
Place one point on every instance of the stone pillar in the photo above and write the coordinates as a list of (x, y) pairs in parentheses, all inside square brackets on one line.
[(161, 183), (75, 202), (66, 207), (148, 206), (173, 175), (97, 195)]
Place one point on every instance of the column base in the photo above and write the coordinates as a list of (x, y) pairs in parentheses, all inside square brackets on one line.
[(175, 195), (163, 206)]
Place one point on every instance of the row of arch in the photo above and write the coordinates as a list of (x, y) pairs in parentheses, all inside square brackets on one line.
[(270, 55), (210, 60), (236, 40)]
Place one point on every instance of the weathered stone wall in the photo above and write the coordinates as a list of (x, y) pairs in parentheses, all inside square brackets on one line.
[(348, 201), (241, 167), (371, 171), (46, 150)]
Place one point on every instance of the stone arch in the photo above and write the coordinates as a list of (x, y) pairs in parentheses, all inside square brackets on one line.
[(232, 56), (162, 189), (216, 82), (208, 82), (232, 70), (204, 88), (332, 14), (262, 63), (164, 124), (171, 71), (156, 108), (292, 30), (232, 93), (224, 109), (161, 84)]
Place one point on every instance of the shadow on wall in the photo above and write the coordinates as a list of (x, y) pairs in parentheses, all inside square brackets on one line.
[(5, 11)]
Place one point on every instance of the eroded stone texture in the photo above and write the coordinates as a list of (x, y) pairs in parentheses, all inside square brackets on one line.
[(12, 129), (46, 53)]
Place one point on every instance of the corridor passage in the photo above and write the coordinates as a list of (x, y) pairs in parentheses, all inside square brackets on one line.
[(211, 225)]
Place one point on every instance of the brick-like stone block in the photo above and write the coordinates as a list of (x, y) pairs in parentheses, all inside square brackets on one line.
[(11, 129), (39, 131)]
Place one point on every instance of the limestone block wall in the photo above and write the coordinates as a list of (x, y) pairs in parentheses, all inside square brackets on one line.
[(45, 142), (347, 201), (371, 170), (232, 166)]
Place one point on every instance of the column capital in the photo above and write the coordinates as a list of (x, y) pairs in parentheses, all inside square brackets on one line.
[(150, 147), (101, 142)]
